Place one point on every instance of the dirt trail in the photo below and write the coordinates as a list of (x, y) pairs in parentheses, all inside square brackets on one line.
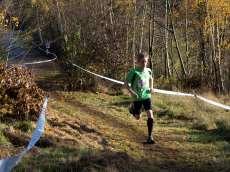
[(116, 137), (93, 126)]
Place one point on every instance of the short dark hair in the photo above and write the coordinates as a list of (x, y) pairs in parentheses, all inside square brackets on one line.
[(141, 55)]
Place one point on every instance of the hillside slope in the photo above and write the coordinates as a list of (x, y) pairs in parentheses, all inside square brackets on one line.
[(88, 131), (94, 132)]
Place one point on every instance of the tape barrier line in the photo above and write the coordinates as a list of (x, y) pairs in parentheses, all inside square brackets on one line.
[(6, 165), (226, 107), (213, 103), (172, 93), (103, 77), (44, 61), (40, 62)]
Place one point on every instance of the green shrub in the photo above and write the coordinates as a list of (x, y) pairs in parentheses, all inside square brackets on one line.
[(203, 122), (3, 139), (223, 128), (165, 113), (200, 125), (167, 84), (24, 126)]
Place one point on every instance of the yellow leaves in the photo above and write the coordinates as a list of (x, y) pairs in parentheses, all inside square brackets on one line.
[(6, 20), (2, 17), (207, 13), (226, 44), (219, 7), (42, 5), (213, 7), (15, 20), (126, 5), (34, 2), (217, 13)]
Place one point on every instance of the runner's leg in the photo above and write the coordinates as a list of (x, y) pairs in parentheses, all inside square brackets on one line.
[(150, 121), (137, 109)]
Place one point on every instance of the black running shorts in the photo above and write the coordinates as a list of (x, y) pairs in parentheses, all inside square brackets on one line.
[(137, 105)]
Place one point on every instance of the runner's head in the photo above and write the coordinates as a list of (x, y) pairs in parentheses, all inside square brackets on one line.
[(142, 60)]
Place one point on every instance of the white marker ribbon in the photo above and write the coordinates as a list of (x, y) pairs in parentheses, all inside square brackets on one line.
[(213, 103), (100, 76), (161, 91), (40, 62), (172, 93), (43, 61), (6, 165)]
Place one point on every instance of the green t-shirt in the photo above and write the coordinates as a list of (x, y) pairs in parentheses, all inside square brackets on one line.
[(139, 80)]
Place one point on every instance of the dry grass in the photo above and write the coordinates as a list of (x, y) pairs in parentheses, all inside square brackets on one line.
[(94, 132), (88, 131)]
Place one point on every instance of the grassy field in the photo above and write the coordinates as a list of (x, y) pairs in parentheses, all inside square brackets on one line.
[(94, 132), (88, 131)]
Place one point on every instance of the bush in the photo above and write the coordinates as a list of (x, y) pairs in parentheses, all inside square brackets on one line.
[(20, 98), (200, 124), (165, 112), (3, 139), (24, 126), (203, 122), (223, 128), (168, 84)]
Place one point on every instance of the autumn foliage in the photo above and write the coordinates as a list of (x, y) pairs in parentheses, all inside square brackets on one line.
[(187, 41), (20, 98)]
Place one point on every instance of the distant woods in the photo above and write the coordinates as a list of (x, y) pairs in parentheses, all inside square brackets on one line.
[(188, 40)]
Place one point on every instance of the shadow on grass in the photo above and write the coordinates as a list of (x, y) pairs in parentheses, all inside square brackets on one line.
[(53, 83), (220, 133), (209, 136), (110, 120), (121, 104), (83, 160), (64, 159)]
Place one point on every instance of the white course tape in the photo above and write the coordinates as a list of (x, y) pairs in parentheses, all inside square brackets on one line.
[(40, 62), (6, 165), (172, 93), (213, 103), (161, 91), (100, 76), (44, 61)]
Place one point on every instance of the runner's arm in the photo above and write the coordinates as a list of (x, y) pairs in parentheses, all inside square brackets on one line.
[(128, 87), (151, 84)]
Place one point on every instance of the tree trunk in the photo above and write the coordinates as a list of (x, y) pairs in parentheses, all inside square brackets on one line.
[(60, 22), (221, 79), (167, 66), (127, 36), (213, 52), (134, 33), (214, 57), (184, 73), (151, 33), (186, 34), (142, 27)]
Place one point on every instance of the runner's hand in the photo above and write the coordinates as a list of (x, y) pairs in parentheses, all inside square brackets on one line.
[(152, 91), (135, 95)]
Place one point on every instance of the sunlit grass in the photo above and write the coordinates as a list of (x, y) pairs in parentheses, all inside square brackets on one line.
[(188, 134)]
